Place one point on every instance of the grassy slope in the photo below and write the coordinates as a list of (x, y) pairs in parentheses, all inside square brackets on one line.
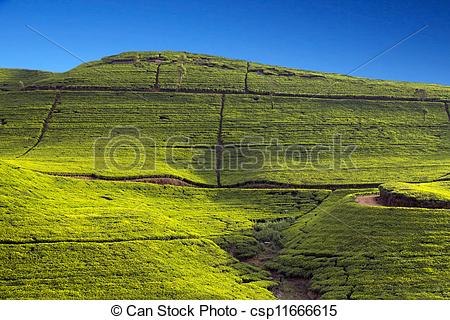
[(392, 140), (157, 239), (17, 79), (409, 139), (263, 78), (394, 253), (138, 70), (177, 269), (422, 192), (183, 120), (358, 252), (23, 114)]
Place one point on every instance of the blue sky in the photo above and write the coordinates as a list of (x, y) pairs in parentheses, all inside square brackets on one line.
[(333, 36)]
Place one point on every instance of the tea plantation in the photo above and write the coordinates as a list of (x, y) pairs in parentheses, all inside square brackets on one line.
[(171, 175)]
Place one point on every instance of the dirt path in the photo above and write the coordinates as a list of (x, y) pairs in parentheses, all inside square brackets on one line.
[(158, 70), (370, 200), (374, 200), (45, 125), (295, 289), (246, 78), (254, 184), (219, 146), (447, 110)]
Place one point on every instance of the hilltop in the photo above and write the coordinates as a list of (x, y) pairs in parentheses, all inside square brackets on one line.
[(161, 70)]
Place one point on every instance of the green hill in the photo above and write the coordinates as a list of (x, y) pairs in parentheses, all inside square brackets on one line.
[(145, 70), (255, 152), (358, 252), (65, 238), (18, 79)]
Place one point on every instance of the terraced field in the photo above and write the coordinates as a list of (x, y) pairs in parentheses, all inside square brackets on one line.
[(22, 115), (347, 141), (172, 130), (427, 195), (17, 79), (186, 71), (93, 239), (290, 142), (358, 252), (255, 170)]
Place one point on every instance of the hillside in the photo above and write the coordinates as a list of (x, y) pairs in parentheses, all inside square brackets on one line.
[(162, 236), (244, 161), (18, 79), (147, 70)]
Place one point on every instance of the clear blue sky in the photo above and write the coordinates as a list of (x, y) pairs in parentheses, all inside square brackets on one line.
[(334, 36)]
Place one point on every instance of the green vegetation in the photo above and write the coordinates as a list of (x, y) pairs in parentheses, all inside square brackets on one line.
[(358, 252), (161, 236), (197, 120), (263, 78), (127, 70), (425, 195), (137, 70), (175, 269), (422, 191), (172, 129), (179, 132), (204, 73), (17, 79), (22, 115), (392, 142)]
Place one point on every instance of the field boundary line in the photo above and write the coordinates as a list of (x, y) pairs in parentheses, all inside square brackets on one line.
[(252, 184), (246, 78), (158, 70), (143, 179), (219, 145), (447, 110), (237, 92), (45, 125), (50, 241)]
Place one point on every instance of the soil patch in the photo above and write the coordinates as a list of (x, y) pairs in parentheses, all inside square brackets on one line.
[(289, 288), (370, 200), (393, 200)]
